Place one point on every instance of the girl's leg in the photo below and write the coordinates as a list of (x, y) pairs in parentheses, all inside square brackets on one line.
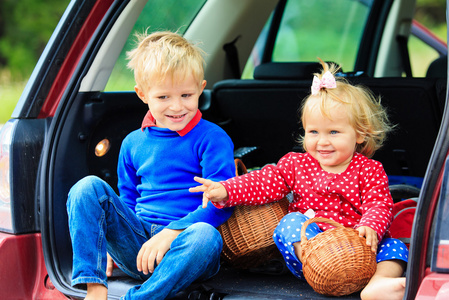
[(287, 236), (194, 254), (387, 282), (96, 214)]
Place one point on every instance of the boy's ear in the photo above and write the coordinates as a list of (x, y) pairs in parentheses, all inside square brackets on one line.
[(203, 85), (140, 94)]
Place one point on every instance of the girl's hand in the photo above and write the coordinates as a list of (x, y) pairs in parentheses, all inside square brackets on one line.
[(212, 191), (370, 235), (153, 251)]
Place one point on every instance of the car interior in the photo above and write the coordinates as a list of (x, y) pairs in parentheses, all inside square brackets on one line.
[(259, 113)]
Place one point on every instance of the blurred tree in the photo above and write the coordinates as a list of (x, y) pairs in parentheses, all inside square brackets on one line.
[(25, 28), (431, 12)]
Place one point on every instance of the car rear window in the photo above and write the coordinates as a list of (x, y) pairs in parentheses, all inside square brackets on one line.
[(329, 29), (170, 15)]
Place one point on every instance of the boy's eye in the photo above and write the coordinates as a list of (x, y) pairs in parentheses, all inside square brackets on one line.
[(186, 95), (334, 131), (162, 97), (313, 132)]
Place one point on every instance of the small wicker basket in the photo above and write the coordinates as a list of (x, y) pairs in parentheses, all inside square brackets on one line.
[(248, 234), (336, 262)]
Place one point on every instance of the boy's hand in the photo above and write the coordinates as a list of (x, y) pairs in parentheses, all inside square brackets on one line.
[(370, 235), (212, 191), (153, 251), (109, 266)]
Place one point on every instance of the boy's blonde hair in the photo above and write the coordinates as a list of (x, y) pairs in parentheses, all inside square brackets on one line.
[(162, 54), (366, 114)]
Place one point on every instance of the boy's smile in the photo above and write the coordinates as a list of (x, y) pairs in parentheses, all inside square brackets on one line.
[(173, 102)]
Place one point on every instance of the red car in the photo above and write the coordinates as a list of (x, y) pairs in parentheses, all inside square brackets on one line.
[(260, 58)]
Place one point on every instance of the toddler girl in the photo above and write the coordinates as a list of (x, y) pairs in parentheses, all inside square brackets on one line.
[(344, 125)]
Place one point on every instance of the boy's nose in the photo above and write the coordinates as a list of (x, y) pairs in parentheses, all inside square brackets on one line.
[(176, 104)]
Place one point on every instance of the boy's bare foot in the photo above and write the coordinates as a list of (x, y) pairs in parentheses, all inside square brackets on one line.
[(384, 288), (96, 291)]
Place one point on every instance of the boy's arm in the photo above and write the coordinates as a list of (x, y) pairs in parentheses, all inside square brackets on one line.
[(127, 178), (217, 163)]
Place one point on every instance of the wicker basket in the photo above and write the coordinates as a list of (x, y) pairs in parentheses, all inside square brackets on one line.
[(248, 234), (336, 262)]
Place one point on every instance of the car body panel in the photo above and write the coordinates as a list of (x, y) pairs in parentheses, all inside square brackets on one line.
[(24, 277), (64, 112)]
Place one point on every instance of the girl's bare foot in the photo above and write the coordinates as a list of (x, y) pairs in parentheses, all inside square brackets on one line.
[(384, 288)]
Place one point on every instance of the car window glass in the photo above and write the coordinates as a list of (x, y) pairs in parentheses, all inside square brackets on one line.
[(308, 31), (428, 37), (170, 15), (421, 56)]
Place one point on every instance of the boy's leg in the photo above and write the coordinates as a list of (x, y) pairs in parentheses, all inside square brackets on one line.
[(96, 214), (387, 282), (287, 234), (194, 254)]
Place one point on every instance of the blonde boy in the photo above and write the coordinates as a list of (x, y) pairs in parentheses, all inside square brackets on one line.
[(156, 231)]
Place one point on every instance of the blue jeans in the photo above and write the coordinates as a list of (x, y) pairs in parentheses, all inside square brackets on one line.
[(100, 222), (289, 231)]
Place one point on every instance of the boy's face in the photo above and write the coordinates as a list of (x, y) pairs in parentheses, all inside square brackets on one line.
[(173, 103), (330, 141)]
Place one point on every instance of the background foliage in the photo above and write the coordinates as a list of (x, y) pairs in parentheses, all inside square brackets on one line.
[(26, 26)]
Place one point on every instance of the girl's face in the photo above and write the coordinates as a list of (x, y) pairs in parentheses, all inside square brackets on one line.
[(173, 103), (331, 141)]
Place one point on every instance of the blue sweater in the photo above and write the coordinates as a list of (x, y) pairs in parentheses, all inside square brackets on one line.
[(156, 169)]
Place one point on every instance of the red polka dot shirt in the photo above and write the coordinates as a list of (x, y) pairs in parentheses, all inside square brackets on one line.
[(357, 197)]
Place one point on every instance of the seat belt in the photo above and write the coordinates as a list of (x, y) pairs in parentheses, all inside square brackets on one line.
[(232, 58), (405, 57)]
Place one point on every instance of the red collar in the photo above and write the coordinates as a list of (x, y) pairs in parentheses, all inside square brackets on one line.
[(149, 121)]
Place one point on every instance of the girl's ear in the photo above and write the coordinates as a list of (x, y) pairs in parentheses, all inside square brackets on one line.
[(140, 94), (360, 138)]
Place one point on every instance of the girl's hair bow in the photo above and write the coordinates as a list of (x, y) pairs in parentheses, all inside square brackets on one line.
[(327, 81)]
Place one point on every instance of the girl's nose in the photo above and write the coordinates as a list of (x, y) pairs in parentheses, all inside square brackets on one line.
[(323, 140)]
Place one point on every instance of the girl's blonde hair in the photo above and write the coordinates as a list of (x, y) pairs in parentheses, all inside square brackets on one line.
[(366, 114), (164, 53)]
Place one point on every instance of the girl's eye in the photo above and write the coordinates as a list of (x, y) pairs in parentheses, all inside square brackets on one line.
[(313, 132), (334, 131), (162, 97), (186, 95)]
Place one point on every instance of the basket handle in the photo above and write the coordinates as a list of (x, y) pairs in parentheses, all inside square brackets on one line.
[(240, 167), (315, 220)]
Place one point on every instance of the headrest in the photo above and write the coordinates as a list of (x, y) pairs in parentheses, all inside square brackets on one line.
[(438, 68), (287, 70)]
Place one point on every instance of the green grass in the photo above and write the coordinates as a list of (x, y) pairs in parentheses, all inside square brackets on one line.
[(10, 91)]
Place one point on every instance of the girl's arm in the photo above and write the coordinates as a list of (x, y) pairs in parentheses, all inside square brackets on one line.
[(269, 184), (377, 202)]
